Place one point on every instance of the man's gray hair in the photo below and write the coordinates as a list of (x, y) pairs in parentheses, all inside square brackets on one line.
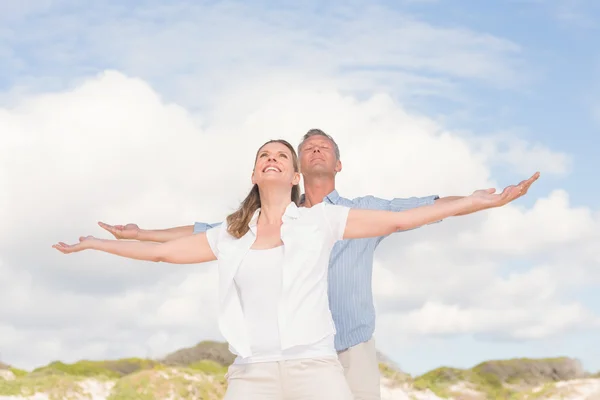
[(318, 132)]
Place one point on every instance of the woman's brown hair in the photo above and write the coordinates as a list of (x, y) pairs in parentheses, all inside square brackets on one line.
[(237, 222)]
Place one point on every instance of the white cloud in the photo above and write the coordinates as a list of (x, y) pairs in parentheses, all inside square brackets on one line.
[(522, 156), (510, 273), (552, 222), (188, 48), (456, 300), (529, 323), (111, 149)]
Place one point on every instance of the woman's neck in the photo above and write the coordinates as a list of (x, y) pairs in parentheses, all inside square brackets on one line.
[(273, 206)]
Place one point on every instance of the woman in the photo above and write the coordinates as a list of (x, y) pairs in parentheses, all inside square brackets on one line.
[(273, 261)]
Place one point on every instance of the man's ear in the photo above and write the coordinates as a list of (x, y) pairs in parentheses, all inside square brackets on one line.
[(338, 166)]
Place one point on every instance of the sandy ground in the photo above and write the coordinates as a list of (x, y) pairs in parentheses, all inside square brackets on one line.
[(583, 389)]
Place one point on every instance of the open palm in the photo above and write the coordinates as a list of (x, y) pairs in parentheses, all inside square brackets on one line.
[(129, 231), (64, 248), (488, 198)]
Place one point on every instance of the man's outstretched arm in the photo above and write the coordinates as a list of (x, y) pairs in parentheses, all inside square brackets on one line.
[(403, 204), (134, 232), (523, 186)]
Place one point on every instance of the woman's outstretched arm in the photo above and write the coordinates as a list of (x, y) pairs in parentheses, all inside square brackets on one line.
[(185, 250), (372, 223)]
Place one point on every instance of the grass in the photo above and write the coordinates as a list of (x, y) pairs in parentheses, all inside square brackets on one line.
[(209, 367), (168, 383), (441, 380), (142, 379), (58, 387), (86, 368), (134, 379), (393, 375), (18, 372), (502, 379)]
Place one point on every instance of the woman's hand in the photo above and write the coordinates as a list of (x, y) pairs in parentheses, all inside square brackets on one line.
[(85, 242), (190, 249)]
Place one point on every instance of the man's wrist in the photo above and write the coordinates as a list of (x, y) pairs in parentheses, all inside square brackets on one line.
[(142, 234)]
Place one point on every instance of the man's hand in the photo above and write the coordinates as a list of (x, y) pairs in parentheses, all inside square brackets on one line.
[(129, 231), (483, 199), (85, 242)]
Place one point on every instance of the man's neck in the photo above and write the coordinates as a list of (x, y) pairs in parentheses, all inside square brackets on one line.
[(315, 190)]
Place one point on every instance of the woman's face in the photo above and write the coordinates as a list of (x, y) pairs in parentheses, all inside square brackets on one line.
[(275, 164)]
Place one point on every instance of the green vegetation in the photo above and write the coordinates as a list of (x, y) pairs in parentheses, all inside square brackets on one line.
[(543, 393), (441, 380), (392, 374), (86, 368), (153, 385), (502, 379), (527, 372), (207, 350), (198, 372), (133, 378), (17, 372), (57, 387), (209, 367), (80, 368)]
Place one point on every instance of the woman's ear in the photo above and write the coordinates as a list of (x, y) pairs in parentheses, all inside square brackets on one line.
[(296, 179)]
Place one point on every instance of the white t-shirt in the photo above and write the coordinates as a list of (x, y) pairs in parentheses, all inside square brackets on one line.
[(303, 316), (258, 282)]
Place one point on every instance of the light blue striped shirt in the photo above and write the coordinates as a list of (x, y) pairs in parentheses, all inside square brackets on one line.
[(351, 271)]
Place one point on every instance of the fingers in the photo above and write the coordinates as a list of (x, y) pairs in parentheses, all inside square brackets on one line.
[(521, 189), (64, 248), (112, 229), (526, 184), (115, 230), (510, 193)]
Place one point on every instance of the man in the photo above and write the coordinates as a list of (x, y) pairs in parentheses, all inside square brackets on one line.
[(351, 261)]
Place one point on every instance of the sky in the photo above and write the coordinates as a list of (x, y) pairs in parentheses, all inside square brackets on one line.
[(151, 113)]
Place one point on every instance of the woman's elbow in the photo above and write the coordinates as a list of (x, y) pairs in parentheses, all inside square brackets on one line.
[(159, 256), (404, 226)]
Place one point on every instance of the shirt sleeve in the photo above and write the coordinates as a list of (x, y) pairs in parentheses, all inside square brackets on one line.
[(213, 236), (396, 204), (200, 227), (401, 204), (336, 217)]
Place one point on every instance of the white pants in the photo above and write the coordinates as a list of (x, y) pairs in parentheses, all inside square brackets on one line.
[(304, 379), (361, 369)]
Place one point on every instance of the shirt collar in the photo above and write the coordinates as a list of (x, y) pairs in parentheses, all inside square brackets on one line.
[(332, 197), (291, 212)]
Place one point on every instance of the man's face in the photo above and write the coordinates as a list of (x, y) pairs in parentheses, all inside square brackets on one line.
[(317, 157)]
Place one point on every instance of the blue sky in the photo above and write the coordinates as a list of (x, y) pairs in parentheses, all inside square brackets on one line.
[(519, 78), (557, 104), (548, 92)]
